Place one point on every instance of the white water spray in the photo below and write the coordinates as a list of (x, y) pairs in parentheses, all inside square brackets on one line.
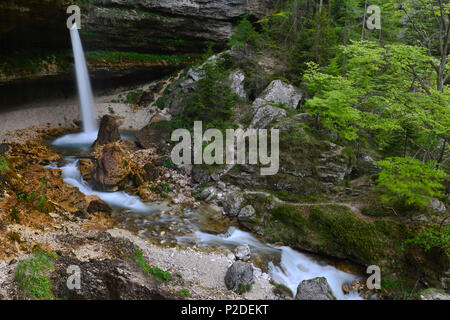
[(84, 84)]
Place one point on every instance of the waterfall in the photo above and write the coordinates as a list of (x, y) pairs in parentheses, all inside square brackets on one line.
[(87, 108)]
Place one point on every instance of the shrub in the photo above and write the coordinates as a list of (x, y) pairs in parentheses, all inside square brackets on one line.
[(32, 275)]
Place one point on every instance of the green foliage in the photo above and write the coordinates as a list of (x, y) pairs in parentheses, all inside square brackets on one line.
[(119, 57), (244, 35), (133, 96), (333, 102), (32, 275), (244, 288), (410, 182), (157, 273), (433, 236), (212, 102), (44, 205), (184, 293)]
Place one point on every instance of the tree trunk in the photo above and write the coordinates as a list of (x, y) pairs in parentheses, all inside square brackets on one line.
[(363, 29)]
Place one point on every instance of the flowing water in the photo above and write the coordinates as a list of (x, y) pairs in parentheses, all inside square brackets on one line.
[(87, 108)]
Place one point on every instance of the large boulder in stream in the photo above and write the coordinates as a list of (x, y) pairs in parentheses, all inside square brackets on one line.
[(314, 289), (108, 132), (112, 169)]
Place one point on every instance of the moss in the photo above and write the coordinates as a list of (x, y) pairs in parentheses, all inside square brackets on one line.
[(185, 293), (155, 272), (290, 214), (120, 57), (377, 211), (281, 289), (343, 229), (3, 164), (244, 288)]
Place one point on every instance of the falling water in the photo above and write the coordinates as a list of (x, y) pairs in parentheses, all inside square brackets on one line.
[(88, 115), (84, 84)]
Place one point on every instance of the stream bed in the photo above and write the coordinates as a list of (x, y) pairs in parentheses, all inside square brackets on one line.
[(170, 224)]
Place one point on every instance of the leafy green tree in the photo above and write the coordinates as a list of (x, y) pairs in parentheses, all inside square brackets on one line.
[(410, 182)]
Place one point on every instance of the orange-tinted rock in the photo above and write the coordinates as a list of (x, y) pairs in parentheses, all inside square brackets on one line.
[(112, 169)]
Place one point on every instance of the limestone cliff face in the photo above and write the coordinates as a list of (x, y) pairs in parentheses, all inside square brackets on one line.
[(147, 25)]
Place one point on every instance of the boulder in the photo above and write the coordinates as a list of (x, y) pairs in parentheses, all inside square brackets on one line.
[(151, 172), (366, 165), (239, 274), (242, 252), (107, 279), (333, 165), (245, 216), (279, 92), (108, 131), (265, 115), (314, 289), (200, 174), (437, 206), (237, 79), (112, 168), (266, 107), (98, 206), (232, 203), (434, 294)]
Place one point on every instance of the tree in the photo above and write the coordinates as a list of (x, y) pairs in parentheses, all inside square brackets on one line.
[(244, 35), (429, 22)]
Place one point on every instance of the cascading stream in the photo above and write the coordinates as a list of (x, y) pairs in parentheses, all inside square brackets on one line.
[(291, 267), (285, 265)]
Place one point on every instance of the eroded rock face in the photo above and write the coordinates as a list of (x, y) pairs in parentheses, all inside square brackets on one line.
[(265, 115), (437, 206), (238, 275), (279, 92), (108, 131), (190, 20), (104, 280), (314, 289), (112, 168), (433, 294), (237, 79)]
